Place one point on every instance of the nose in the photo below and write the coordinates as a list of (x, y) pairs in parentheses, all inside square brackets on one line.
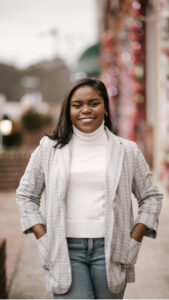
[(86, 109)]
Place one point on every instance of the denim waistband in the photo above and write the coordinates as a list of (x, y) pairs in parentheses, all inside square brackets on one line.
[(79, 240)]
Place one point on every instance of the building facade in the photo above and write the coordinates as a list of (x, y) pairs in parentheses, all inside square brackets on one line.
[(135, 69)]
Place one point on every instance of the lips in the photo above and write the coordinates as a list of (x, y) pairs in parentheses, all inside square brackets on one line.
[(86, 120)]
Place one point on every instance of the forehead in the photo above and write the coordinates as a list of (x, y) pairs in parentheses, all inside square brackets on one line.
[(85, 93)]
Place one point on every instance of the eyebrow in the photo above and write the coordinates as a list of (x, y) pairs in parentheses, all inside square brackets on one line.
[(90, 100)]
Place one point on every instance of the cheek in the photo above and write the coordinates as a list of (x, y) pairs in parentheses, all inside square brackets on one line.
[(73, 115), (102, 112)]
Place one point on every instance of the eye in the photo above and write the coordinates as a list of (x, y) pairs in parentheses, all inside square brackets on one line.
[(93, 104), (76, 105)]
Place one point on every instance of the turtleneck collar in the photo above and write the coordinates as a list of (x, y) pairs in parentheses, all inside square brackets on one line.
[(95, 135)]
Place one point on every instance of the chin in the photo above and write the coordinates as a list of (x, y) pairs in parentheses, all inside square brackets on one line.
[(87, 130)]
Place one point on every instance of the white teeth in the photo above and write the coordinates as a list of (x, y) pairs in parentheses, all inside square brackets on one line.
[(86, 120)]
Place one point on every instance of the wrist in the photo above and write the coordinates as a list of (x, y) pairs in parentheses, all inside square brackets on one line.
[(39, 230), (137, 237), (138, 232), (39, 235)]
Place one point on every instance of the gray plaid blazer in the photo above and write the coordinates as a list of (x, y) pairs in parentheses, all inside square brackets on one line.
[(126, 173)]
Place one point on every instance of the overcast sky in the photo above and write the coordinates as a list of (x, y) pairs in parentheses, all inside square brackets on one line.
[(25, 29)]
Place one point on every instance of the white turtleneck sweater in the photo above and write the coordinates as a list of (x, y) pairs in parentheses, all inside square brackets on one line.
[(86, 192)]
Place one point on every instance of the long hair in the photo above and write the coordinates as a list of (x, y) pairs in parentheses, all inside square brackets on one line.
[(63, 131)]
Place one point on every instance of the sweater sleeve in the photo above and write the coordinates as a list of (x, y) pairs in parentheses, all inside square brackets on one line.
[(148, 196), (28, 194)]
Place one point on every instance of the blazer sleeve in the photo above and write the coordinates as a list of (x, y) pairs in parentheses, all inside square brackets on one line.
[(148, 196), (28, 194)]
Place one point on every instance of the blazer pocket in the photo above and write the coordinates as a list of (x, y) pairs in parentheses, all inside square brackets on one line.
[(132, 253), (42, 244)]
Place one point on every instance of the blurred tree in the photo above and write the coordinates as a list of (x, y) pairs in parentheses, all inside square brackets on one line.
[(53, 80), (10, 78), (32, 120), (89, 61)]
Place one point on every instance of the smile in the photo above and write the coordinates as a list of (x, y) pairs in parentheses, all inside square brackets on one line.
[(86, 120)]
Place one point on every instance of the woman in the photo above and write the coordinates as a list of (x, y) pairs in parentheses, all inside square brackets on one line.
[(87, 239)]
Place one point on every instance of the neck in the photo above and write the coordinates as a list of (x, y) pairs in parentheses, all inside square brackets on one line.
[(94, 135)]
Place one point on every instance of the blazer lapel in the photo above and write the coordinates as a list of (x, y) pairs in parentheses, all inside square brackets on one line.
[(60, 173), (65, 161), (115, 157)]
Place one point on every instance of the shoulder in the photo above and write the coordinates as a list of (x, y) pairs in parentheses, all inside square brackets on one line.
[(44, 147), (127, 144), (46, 142)]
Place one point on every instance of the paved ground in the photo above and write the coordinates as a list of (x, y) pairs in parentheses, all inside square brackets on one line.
[(28, 282), (152, 270)]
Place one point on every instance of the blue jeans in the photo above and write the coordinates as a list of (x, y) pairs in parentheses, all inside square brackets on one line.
[(89, 279)]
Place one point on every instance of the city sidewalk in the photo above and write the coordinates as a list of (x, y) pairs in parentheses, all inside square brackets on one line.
[(23, 267), (28, 282), (152, 269)]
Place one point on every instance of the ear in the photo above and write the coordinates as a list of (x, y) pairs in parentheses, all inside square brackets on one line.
[(105, 114)]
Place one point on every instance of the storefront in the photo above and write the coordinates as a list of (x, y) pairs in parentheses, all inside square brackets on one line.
[(123, 61), (135, 62), (162, 136), (157, 70)]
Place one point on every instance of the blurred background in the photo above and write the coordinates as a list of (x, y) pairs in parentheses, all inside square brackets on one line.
[(45, 45)]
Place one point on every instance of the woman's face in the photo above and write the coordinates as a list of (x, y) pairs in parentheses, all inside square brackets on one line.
[(87, 109)]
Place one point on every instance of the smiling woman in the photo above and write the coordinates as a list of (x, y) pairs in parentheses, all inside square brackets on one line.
[(88, 239), (87, 109), (86, 105)]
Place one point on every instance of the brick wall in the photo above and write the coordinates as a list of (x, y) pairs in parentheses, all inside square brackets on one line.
[(12, 166)]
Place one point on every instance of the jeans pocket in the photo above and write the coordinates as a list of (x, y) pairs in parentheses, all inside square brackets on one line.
[(42, 244), (132, 253)]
